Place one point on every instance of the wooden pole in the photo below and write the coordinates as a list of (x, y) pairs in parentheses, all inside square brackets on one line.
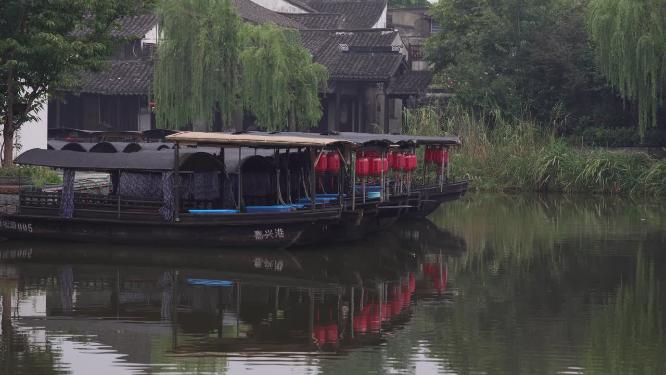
[(176, 182), (313, 188), (240, 180), (353, 179)]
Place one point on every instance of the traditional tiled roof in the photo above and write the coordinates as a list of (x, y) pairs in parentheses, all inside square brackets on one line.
[(126, 77), (410, 83), (134, 26), (301, 4), (367, 66), (314, 40), (354, 55), (255, 13), (318, 21), (358, 14)]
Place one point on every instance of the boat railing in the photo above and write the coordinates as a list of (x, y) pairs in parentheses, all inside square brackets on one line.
[(89, 205)]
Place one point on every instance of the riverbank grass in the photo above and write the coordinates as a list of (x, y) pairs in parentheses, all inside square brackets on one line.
[(519, 155), (29, 175)]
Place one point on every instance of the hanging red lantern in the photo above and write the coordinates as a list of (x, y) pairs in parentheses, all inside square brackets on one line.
[(412, 162), (333, 161), (322, 164), (400, 162), (376, 166), (391, 159), (428, 155), (386, 164), (362, 167)]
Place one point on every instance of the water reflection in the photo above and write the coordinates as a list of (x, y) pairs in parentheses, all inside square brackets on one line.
[(74, 307), (536, 270), (492, 285)]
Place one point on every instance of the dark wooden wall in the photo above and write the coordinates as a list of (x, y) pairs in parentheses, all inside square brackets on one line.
[(96, 112)]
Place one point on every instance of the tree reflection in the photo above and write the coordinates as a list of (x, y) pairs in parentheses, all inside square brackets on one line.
[(627, 337)]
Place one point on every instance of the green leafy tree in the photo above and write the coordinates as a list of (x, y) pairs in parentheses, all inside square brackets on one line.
[(43, 44), (280, 81), (523, 57), (197, 73), (630, 39), (222, 66)]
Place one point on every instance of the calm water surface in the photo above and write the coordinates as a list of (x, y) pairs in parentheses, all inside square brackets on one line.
[(491, 285)]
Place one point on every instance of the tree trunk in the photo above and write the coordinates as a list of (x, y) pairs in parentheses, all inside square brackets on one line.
[(8, 147), (8, 129), (291, 119)]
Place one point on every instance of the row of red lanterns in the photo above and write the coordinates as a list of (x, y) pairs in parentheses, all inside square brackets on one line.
[(328, 162), (438, 156), (375, 166), (370, 164)]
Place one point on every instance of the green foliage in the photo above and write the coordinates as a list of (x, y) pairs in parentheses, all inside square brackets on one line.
[(280, 77), (409, 3), (529, 59), (31, 175), (40, 50), (223, 66), (630, 39), (517, 155), (198, 67)]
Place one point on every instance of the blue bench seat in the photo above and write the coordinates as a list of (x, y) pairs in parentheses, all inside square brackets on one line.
[(213, 212)]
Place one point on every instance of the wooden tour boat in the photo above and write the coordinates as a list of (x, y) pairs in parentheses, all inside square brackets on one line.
[(238, 189)]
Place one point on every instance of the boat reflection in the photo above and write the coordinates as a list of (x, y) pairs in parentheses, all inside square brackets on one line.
[(206, 303)]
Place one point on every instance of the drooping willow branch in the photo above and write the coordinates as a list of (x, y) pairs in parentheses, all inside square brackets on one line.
[(630, 39), (210, 61)]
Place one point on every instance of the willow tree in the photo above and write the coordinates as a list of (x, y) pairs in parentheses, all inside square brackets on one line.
[(280, 81), (198, 67), (630, 38), (210, 63)]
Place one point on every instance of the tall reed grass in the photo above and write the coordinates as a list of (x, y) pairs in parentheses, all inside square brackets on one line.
[(520, 155)]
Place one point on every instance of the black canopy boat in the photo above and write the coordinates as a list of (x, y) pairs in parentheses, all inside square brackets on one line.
[(179, 196), (222, 189)]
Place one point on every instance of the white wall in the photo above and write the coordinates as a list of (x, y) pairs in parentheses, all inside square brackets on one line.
[(32, 134), (381, 22), (280, 6)]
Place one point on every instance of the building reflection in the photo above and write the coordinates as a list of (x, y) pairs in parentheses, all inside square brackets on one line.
[(180, 302)]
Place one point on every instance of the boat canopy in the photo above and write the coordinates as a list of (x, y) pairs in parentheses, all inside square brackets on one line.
[(301, 139), (190, 160), (257, 140)]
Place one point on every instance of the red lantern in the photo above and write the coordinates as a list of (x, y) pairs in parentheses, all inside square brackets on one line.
[(322, 164), (399, 162), (376, 166), (386, 164), (428, 155), (333, 161), (362, 167), (391, 159)]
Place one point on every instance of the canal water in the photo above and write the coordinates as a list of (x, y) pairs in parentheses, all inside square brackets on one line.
[(492, 284)]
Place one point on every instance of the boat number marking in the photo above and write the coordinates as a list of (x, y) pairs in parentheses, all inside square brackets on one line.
[(269, 234), (268, 264), (11, 224)]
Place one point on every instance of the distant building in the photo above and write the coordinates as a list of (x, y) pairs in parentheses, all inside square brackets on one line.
[(371, 76), (415, 26)]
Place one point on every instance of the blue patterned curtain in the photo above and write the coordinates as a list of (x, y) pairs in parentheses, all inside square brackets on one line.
[(206, 186), (167, 210), (140, 185), (67, 198), (186, 185)]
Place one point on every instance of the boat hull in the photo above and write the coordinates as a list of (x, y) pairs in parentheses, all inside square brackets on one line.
[(431, 198), (277, 231)]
